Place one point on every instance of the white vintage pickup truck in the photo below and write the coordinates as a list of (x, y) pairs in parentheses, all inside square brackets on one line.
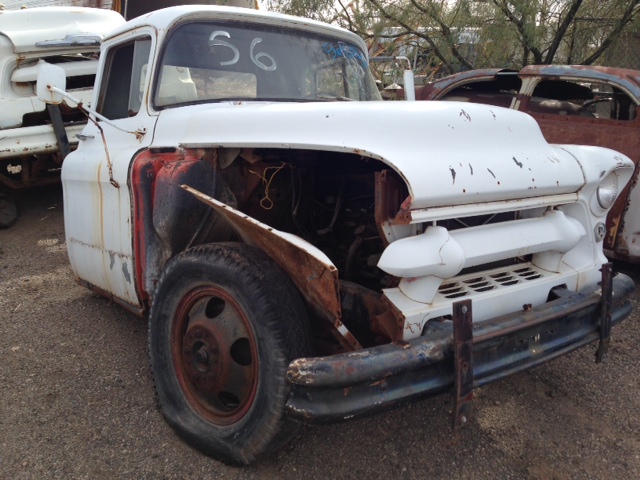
[(35, 139), (305, 252)]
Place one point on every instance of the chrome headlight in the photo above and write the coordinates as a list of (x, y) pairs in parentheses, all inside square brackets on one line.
[(608, 191)]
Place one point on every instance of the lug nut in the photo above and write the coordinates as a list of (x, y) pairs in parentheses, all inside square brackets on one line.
[(202, 356)]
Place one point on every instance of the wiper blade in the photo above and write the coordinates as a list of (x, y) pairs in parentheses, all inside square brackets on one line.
[(263, 99), (330, 98), (318, 98)]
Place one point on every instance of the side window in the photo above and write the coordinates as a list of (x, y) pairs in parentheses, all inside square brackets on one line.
[(500, 90), (125, 69), (584, 99), (329, 81), (335, 78)]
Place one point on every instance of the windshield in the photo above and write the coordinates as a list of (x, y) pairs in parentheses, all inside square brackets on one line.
[(208, 62)]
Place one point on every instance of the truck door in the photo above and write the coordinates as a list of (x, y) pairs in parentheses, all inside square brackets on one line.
[(95, 178)]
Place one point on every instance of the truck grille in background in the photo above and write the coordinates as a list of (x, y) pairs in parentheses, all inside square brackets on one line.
[(470, 284)]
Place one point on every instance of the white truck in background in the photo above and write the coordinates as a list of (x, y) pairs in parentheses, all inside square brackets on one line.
[(34, 137), (306, 252)]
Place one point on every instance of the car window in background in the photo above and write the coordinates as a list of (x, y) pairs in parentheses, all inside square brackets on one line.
[(584, 99), (500, 90)]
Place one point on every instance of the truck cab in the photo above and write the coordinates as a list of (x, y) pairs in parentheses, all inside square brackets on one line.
[(300, 252)]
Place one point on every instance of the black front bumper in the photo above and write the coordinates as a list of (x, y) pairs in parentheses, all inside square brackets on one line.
[(351, 385)]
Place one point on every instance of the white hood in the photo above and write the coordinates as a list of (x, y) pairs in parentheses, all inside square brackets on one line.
[(449, 153)]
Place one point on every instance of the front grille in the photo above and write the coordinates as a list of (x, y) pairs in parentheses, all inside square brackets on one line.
[(453, 224), (503, 278)]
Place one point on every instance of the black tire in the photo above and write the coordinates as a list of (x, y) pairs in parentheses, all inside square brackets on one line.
[(225, 323), (8, 208)]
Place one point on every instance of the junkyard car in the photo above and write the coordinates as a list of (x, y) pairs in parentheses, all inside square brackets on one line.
[(33, 138), (240, 184), (585, 105)]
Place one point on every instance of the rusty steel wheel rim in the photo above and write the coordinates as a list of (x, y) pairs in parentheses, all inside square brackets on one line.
[(215, 355)]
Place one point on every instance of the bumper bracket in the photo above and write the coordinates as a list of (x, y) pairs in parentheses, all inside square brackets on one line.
[(463, 361), (605, 312)]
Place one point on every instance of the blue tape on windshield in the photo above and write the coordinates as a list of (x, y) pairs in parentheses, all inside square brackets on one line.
[(341, 49)]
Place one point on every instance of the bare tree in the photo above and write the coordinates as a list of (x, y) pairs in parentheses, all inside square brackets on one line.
[(453, 35)]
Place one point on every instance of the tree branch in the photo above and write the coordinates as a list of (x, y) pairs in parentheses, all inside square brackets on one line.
[(446, 33), (629, 15), (518, 23), (412, 31), (562, 30)]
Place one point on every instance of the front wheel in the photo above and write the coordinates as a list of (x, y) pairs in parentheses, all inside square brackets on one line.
[(225, 323)]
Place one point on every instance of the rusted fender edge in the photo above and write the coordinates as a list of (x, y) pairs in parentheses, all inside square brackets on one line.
[(340, 387), (309, 268)]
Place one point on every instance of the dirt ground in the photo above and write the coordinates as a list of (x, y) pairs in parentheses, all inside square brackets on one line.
[(77, 401)]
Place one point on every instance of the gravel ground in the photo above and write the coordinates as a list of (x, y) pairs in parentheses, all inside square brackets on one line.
[(77, 401)]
